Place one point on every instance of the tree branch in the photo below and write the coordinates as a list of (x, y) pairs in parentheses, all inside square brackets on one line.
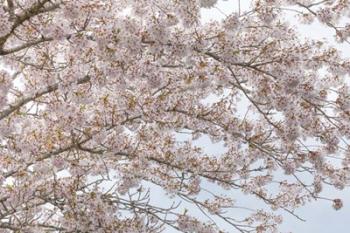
[(18, 104)]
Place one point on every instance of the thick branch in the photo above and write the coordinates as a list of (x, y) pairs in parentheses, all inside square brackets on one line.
[(35, 9), (18, 104), (24, 46)]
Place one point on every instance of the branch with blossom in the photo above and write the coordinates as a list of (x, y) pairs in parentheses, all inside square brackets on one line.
[(100, 107)]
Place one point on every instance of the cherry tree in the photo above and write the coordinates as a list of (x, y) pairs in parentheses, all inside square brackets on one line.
[(95, 97)]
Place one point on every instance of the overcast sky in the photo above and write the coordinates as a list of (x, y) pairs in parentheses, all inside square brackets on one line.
[(320, 216)]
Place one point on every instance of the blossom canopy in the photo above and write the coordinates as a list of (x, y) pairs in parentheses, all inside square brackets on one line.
[(102, 102)]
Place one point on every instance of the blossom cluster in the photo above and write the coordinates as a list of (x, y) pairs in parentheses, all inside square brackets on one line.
[(111, 102)]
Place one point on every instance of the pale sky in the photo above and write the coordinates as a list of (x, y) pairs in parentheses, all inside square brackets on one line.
[(320, 216)]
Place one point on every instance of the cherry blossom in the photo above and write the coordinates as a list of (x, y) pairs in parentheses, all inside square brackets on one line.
[(104, 103)]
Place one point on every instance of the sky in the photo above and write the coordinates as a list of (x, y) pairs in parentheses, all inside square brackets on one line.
[(320, 216)]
